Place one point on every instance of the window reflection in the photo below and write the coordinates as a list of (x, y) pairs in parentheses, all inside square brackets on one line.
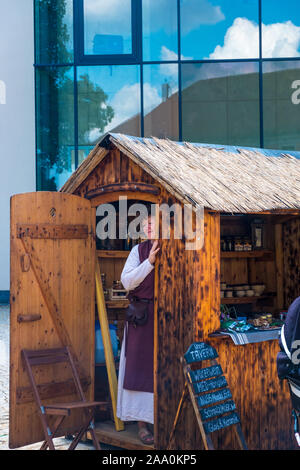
[(54, 126), (160, 40), (107, 27), (281, 105), (108, 100), (220, 103), (280, 28), (219, 29), (161, 100), (54, 31)]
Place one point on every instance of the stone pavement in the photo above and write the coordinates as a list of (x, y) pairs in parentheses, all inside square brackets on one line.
[(60, 443), (4, 374)]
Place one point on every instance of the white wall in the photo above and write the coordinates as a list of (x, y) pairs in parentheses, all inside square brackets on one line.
[(17, 135)]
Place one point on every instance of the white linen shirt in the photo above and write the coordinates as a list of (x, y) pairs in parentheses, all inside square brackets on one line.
[(135, 272)]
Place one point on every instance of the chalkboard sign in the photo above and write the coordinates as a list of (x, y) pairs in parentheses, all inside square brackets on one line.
[(200, 352), (207, 387), (217, 410), (211, 384), (214, 397), (205, 373), (219, 423)]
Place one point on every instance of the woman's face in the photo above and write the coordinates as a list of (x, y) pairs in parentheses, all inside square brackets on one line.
[(148, 226)]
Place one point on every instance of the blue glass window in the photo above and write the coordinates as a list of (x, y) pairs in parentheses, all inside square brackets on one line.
[(108, 100), (53, 31), (108, 31), (220, 103), (219, 29), (160, 93), (160, 39), (281, 104), (107, 27), (280, 28), (91, 84), (55, 139)]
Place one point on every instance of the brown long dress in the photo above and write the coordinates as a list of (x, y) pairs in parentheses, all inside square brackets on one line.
[(140, 339)]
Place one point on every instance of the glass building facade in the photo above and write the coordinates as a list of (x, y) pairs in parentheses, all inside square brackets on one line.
[(211, 71)]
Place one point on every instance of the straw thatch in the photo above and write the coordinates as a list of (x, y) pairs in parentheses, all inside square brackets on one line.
[(236, 180)]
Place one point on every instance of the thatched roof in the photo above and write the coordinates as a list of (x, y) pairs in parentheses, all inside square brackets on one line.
[(226, 179)]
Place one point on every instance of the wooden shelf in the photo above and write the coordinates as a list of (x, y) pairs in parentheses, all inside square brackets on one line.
[(112, 253), (246, 254), (117, 303), (245, 300)]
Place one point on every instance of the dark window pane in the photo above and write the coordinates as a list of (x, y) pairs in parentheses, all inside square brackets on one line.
[(220, 103), (54, 126), (54, 31), (160, 30), (107, 27), (161, 100), (281, 104), (108, 100), (281, 28), (219, 29)]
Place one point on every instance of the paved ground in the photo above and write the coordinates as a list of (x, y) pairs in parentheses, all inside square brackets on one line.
[(4, 389), (4, 368)]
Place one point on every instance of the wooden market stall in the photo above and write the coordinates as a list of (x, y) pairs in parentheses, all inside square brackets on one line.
[(243, 191)]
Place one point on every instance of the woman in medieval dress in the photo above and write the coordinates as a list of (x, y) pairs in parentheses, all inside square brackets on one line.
[(135, 381)]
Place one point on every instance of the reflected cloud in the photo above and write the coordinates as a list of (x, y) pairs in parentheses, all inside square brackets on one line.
[(107, 26), (193, 13), (281, 40), (170, 70), (151, 97), (199, 12), (126, 104), (114, 12), (241, 40)]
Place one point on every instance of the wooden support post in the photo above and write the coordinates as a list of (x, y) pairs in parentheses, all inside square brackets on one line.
[(279, 265), (109, 358)]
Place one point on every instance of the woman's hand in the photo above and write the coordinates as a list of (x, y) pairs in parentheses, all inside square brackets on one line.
[(153, 252)]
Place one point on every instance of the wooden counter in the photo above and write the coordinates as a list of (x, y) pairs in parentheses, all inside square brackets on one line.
[(262, 400)]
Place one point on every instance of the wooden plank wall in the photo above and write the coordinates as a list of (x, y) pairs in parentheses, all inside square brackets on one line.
[(114, 168), (291, 260)]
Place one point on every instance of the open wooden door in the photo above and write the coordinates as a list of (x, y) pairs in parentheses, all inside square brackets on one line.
[(52, 302)]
